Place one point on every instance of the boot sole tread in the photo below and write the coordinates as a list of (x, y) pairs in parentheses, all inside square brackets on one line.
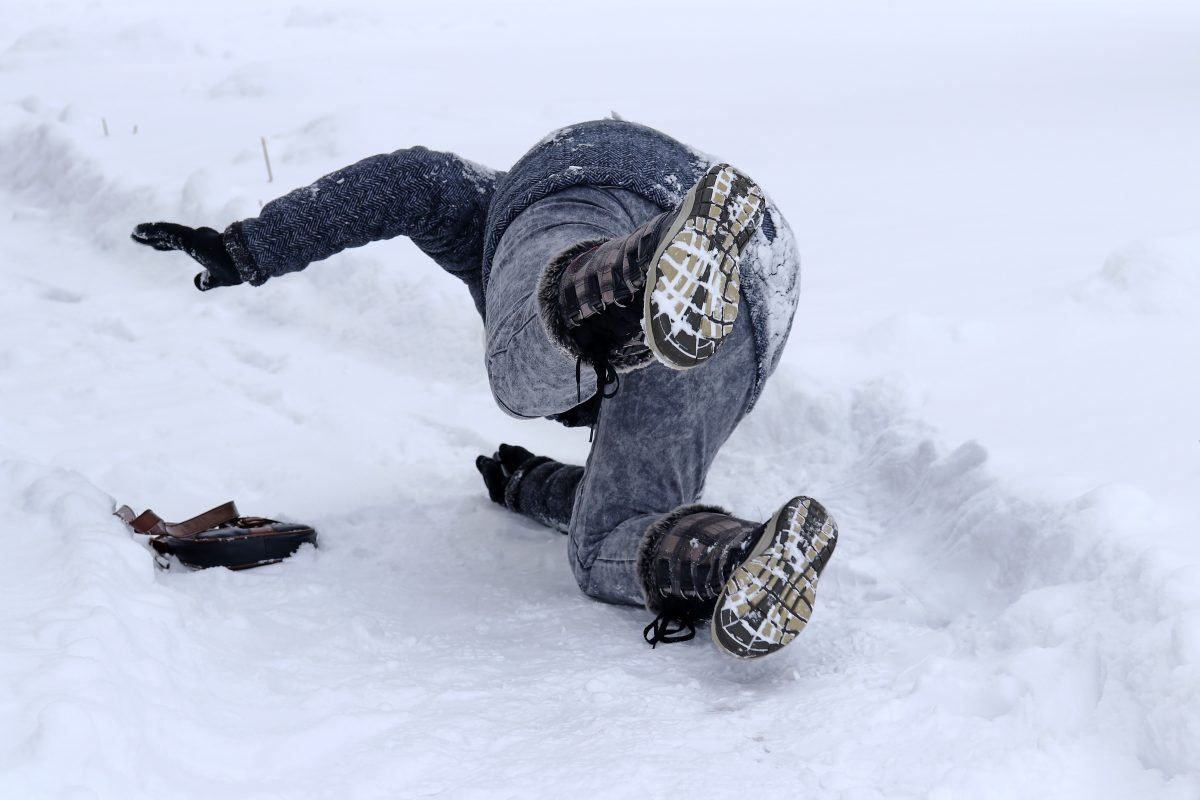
[(768, 600), (693, 284)]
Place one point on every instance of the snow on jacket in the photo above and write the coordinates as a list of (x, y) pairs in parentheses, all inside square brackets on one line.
[(456, 212)]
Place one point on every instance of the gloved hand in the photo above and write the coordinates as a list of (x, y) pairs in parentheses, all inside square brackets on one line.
[(499, 469), (202, 244)]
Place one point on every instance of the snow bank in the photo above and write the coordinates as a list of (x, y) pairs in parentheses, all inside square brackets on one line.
[(989, 384)]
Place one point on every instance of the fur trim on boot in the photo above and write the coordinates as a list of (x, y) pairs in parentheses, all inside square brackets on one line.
[(633, 355), (650, 541), (547, 292)]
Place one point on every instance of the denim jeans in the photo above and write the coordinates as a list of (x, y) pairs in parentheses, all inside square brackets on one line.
[(656, 439)]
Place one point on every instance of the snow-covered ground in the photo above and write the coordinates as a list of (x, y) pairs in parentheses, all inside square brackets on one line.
[(992, 383)]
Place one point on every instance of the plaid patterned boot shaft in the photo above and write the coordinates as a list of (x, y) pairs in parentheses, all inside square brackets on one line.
[(756, 582), (673, 283), (696, 555), (610, 275)]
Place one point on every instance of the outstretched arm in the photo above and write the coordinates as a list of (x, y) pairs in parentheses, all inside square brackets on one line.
[(439, 200)]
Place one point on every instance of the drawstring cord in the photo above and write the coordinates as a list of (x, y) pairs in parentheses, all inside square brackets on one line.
[(606, 377)]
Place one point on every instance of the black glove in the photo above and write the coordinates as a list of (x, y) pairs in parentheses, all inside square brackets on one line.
[(202, 244), (498, 470), (536, 486)]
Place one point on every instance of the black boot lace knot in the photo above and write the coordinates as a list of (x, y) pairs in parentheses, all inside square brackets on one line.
[(676, 623), (608, 382)]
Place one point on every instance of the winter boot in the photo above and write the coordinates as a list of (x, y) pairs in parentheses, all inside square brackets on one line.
[(755, 581), (672, 285)]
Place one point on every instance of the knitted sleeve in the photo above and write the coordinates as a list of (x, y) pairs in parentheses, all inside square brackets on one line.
[(439, 200)]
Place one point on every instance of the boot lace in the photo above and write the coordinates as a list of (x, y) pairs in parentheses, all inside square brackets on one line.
[(676, 623), (606, 377)]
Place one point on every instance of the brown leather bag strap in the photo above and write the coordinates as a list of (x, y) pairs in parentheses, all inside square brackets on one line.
[(152, 524), (126, 515)]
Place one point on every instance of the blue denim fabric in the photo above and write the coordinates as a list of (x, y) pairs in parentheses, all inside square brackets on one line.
[(656, 439), (529, 375), (460, 214), (606, 152)]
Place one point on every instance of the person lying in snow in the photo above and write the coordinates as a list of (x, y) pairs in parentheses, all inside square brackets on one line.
[(609, 246)]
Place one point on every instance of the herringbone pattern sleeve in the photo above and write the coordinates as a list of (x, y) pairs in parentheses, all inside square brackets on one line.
[(439, 200)]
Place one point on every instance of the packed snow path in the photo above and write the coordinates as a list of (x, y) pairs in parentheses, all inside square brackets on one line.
[(991, 384)]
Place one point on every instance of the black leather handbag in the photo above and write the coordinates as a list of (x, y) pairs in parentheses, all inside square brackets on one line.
[(220, 537)]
